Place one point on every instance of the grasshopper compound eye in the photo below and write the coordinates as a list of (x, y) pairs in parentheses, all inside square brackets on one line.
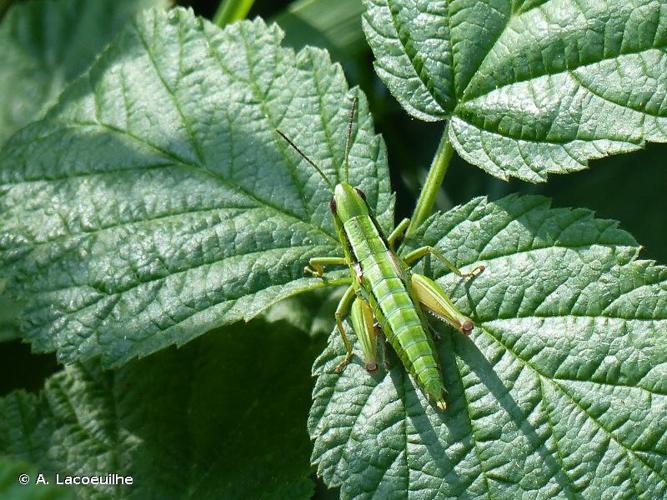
[(332, 205)]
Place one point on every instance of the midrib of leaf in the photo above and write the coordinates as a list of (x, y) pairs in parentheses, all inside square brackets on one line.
[(170, 273), (72, 407), (541, 377), (570, 70), (482, 59), (412, 56), (571, 315), (608, 99), (149, 221), (552, 430), (101, 173), (533, 76), (483, 125), (473, 430), (650, 392), (196, 147), (533, 249), (138, 222), (325, 126), (513, 15), (261, 97), (177, 161)]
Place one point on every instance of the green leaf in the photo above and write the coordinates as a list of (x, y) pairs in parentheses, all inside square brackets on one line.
[(313, 312), (561, 390), (46, 44), (8, 328), (156, 200), (11, 488), (223, 417), (531, 87)]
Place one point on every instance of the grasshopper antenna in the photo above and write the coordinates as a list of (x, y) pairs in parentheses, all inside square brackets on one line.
[(319, 171), (349, 139)]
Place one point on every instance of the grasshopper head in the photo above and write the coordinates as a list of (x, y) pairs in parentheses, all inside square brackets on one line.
[(348, 202)]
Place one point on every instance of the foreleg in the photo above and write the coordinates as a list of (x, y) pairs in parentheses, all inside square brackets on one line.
[(316, 265)]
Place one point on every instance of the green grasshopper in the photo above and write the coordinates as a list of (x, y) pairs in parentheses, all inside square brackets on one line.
[(385, 295)]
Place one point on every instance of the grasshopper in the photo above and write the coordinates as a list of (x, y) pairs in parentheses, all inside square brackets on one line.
[(385, 295)]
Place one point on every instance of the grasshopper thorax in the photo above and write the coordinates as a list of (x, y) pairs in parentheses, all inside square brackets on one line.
[(348, 202)]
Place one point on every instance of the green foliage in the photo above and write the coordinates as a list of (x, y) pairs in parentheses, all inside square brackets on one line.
[(559, 391), (152, 220), (180, 422), (530, 87), (46, 44), (155, 203), (8, 328)]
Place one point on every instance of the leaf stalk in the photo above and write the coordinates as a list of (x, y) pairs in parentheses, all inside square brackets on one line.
[(232, 10), (436, 175)]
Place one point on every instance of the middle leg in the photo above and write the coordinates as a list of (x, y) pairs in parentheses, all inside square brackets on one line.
[(419, 253)]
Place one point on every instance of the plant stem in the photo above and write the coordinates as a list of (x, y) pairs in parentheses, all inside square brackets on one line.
[(231, 10), (436, 174)]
